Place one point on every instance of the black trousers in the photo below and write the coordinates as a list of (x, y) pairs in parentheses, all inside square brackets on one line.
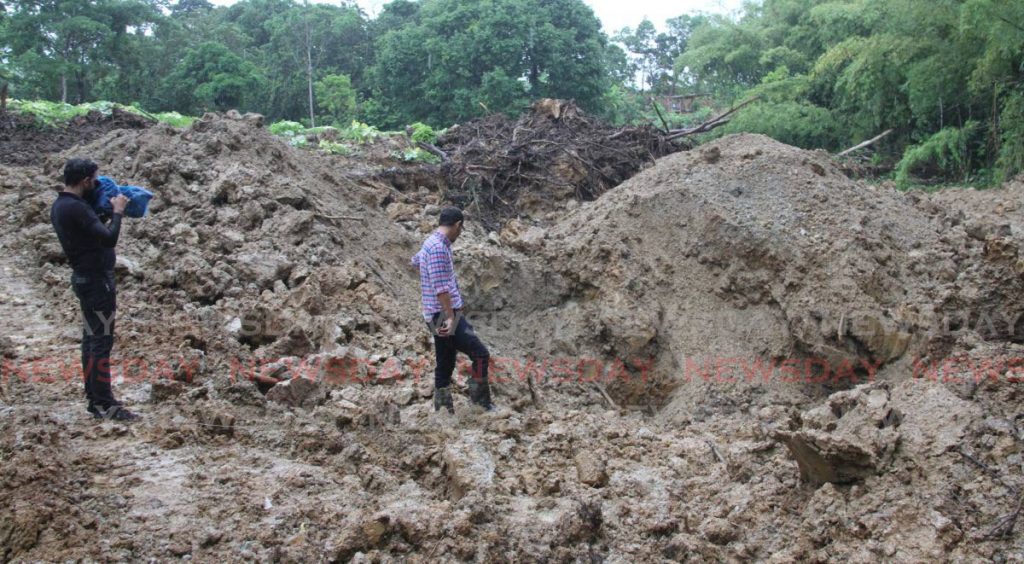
[(463, 340), (97, 295)]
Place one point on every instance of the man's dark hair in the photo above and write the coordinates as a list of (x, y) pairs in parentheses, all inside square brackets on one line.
[(77, 170), (450, 216)]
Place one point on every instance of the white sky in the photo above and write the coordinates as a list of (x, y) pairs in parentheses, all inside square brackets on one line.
[(614, 14)]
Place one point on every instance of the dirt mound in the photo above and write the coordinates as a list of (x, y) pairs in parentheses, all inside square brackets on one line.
[(23, 141), (751, 265), (501, 168), (252, 250)]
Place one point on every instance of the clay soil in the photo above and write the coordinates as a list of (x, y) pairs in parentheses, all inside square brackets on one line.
[(736, 353)]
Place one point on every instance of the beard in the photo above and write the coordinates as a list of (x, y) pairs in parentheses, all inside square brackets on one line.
[(91, 188)]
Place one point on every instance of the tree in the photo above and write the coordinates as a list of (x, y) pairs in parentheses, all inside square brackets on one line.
[(640, 43), (945, 75), (336, 96), (211, 77), (59, 48), (306, 43), (448, 60)]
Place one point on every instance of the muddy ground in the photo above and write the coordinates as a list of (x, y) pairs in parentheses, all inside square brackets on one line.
[(736, 354), (23, 140)]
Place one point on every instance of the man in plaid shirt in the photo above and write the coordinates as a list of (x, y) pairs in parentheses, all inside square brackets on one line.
[(442, 310)]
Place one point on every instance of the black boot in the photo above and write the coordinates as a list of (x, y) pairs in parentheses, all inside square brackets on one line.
[(443, 398), (480, 393)]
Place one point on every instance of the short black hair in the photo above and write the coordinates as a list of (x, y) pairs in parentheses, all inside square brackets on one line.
[(450, 216), (77, 170)]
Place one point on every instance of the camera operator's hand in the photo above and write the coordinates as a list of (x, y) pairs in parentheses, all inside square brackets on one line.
[(119, 202)]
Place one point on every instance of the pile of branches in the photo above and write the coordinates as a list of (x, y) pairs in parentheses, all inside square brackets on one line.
[(554, 151)]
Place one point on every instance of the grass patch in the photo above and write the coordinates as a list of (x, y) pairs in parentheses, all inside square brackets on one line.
[(55, 114)]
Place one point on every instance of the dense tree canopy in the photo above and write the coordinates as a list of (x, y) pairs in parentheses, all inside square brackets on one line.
[(436, 61), (443, 61), (945, 75)]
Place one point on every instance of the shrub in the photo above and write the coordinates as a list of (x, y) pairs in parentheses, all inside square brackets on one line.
[(335, 148), (417, 155), (423, 133), (360, 132), (944, 154), (287, 128)]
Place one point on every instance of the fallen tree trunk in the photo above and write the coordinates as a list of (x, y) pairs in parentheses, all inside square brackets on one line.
[(867, 143), (432, 149), (712, 123)]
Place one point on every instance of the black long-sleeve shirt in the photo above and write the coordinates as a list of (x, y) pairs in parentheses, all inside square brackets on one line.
[(88, 244)]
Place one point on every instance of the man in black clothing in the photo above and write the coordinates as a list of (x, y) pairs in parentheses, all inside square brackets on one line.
[(89, 247)]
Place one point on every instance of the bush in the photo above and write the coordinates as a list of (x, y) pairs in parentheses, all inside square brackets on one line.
[(335, 148), (417, 155), (55, 113), (335, 95), (174, 118), (944, 154), (360, 133), (423, 133), (795, 123), (287, 128), (1011, 145)]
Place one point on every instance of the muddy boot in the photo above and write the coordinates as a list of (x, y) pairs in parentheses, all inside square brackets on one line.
[(443, 398), (480, 393)]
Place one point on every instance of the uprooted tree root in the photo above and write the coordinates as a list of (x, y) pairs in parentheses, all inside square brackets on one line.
[(492, 163)]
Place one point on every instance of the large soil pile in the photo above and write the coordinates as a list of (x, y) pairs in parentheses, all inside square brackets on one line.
[(728, 268), (623, 334), (250, 249)]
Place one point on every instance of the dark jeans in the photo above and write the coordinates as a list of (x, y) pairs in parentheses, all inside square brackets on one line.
[(98, 298), (463, 340)]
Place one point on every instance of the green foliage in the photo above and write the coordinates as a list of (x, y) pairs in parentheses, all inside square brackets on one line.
[(287, 128), (173, 118), (423, 133), (448, 60), (211, 77), (62, 49), (945, 154), (360, 133), (417, 155), (336, 96), (832, 73), (298, 135), (48, 113), (620, 105), (795, 123), (1011, 150), (335, 148), (652, 55), (334, 40)]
